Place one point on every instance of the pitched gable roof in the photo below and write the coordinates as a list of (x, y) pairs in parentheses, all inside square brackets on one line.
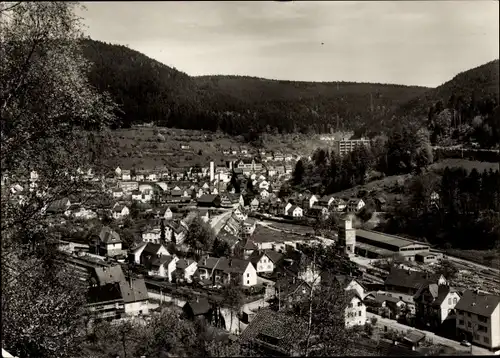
[(478, 303), (109, 236), (284, 330), (200, 306), (134, 290), (106, 275), (162, 260), (410, 279), (184, 263)]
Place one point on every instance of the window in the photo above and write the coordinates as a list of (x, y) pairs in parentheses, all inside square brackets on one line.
[(449, 301), (359, 313), (248, 275), (359, 304), (481, 328), (469, 324), (482, 319), (486, 340), (351, 305), (248, 282), (461, 322), (476, 336), (468, 314), (455, 300)]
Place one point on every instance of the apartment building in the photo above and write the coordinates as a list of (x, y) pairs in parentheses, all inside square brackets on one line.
[(478, 319), (345, 146)]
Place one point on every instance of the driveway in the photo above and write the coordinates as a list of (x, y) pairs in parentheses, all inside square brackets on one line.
[(391, 324)]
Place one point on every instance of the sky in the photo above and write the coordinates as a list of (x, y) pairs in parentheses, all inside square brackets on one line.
[(422, 43)]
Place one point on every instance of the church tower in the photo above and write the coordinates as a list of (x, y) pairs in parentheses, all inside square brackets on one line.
[(347, 236)]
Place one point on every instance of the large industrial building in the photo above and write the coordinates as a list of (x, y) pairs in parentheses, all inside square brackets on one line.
[(374, 244)]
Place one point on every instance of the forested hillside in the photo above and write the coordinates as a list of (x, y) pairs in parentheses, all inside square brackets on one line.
[(462, 109), (150, 91)]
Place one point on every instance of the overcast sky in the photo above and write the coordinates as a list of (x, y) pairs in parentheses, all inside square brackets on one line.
[(406, 42)]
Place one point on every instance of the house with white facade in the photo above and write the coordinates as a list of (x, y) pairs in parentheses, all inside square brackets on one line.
[(355, 312), (120, 211), (435, 303), (145, 251), (163, 266), (226, 270), (185, 269), (478, 319), (354, 205), (265, 261), (126, 175)]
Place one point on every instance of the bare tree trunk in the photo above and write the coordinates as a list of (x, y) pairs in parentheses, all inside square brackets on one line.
[(309, 324)]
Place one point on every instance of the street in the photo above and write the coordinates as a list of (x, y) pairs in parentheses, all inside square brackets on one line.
[(217, 222), (391, 324)]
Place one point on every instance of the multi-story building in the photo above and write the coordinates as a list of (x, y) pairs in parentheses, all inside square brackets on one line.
[(345, 146), (478, 319)]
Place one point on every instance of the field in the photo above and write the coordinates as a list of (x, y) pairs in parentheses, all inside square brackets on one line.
[(151, 147), (489, 258), (466, 164)]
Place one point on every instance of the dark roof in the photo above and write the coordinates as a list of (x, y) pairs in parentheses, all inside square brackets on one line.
[(184, 263), (392, 240), (112, 274), (410, 279), (134, 291), (108, 236), (105, 293), (284, 330), (58, 206), (152, 248), (224, 264), (271, 254), (414, 336), (207, 198), (162, 260), (200, 306), (478, 303)]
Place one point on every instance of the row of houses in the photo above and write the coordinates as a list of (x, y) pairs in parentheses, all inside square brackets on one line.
[(468, 315)]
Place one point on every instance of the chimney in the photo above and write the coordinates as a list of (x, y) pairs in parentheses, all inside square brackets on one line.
[(212, 174)]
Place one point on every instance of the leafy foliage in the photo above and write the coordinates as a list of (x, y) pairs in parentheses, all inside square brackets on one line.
[(466, 108), (52, 122), (468, 206), (200, 236)]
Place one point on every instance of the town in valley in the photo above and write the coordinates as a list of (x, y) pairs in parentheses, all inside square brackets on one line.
[(238, 216)]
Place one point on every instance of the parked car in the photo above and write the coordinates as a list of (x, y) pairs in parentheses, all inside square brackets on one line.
[(465, 343)]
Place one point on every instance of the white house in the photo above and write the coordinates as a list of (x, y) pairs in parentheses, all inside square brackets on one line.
[(264, 184), (126, 175), (287, 207), (164, 266), (186, 268), (240, 214), (141, 252), (153, 236), (265, 260), (295, 211), (118, 172), (117, 193), (120, 211), (139, 177), (108, 241), (264, 194), (478, 319), (355, 312), (355, 205), (226, 270), (152, 177)]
